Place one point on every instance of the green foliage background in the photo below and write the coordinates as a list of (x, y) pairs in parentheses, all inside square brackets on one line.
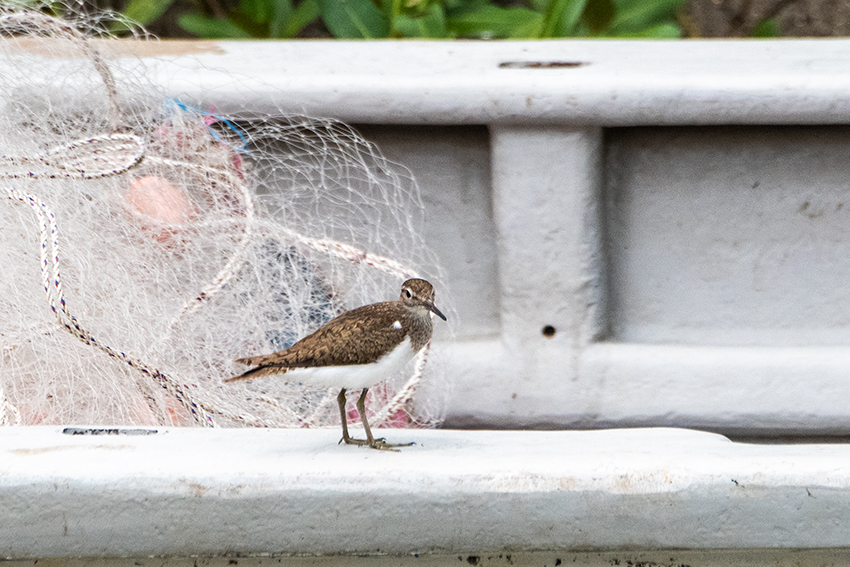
[(434, 19)]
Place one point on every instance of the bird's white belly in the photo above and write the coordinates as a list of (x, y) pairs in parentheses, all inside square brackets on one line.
[(354, 376)]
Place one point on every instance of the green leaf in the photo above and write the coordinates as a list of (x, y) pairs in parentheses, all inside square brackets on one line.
[(632, 16), (259, 11), (392, 9), (666, 30), (598, 15), (460, 6), (211, 28), (530, 29), (241, 20), (492, 21), (561, 17), (582, 30), (766, 28), (142, 11), (306, 12), (431, 25), (354, 19), (281, 14)]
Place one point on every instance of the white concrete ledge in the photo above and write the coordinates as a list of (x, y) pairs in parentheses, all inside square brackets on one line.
[(576, 82), (618, 83), (190, 491)]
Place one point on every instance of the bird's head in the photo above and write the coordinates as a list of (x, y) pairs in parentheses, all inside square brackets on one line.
[(419, 294)]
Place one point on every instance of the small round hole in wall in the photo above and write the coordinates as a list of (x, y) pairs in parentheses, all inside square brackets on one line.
[(548, 331)]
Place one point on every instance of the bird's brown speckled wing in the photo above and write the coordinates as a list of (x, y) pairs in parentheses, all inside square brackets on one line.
[(359, 336)]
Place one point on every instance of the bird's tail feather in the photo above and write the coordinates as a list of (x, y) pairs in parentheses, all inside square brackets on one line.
[(254, 360), (256, 372)]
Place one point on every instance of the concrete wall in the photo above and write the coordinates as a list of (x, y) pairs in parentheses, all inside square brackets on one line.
[(713, 262)]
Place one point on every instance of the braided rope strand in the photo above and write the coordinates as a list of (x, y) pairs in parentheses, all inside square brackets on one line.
[(128, 147), (50, 267), (123, 152)]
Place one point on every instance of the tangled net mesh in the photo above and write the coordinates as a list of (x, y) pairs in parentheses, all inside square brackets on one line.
[(145, 244)]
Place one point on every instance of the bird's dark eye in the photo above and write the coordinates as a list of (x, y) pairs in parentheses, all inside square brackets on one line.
[(407, 293)]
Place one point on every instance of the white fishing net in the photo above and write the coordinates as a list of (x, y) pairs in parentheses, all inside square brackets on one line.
[(146, 244)]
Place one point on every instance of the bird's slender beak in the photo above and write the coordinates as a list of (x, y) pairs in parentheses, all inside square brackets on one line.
[(436, 311)]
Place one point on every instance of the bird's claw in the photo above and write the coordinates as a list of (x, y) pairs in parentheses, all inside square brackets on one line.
[(382, 445), (379, 444)]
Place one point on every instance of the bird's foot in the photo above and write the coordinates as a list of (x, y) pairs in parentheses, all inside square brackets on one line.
[(379, 444), (382, 445)]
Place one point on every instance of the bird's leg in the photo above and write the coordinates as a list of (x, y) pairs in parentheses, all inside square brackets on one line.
[(361, 407), (346, 438), (379, 443)]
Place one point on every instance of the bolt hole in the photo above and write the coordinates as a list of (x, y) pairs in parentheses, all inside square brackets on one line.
[(548, 331)]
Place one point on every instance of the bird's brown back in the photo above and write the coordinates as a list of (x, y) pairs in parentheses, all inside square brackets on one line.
[(359, 336)]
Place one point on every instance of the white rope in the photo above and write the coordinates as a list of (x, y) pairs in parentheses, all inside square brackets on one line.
[(345, 252), (50, 271), (89, 158)]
